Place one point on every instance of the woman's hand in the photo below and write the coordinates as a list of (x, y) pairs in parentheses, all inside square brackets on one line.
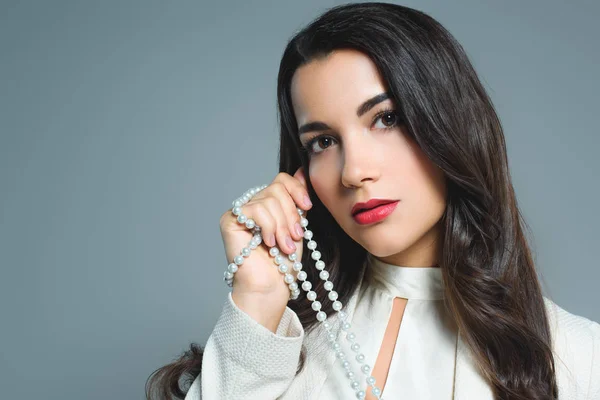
[(258, 286)]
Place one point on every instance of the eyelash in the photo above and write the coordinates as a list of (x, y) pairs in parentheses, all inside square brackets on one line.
[(309, 144)]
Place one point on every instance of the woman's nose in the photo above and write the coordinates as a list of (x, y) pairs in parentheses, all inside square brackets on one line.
[(359, 164)]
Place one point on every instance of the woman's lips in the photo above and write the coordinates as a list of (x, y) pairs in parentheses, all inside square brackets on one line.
[(376, 214)]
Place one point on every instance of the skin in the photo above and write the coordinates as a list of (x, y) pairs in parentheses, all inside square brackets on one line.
[(357, 159)]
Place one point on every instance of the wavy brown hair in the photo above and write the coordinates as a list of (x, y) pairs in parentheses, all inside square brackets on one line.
[(490, 282)]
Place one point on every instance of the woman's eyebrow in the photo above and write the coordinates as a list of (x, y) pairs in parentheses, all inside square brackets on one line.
[(362, 109)]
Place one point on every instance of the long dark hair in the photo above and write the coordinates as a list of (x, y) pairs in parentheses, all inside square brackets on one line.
[(491, 286)]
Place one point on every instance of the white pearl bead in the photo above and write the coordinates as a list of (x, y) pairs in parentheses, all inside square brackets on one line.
[(355, 347), (365, 369), (237, 210), (239, 260), (278, 259), (376, 391), (300, 211), (246, 252), (343, 315), (333, 295), (316, 305), (228, 275), (302, 275), (316, 255), (341, 355), (311, 245), (320, 265), (250, 223), (237, 203), (360, 394), (297, 266), (328, 285), (289, 278), (232, 268), (292, 257), (331, 336), (293, 285), (346, 364), (303, 222), (311, 295), (350, 374), (283, 268), (360, 358), (351, 336), (346, 326), (241, 218), (273, 251), (321, 316), (326, 325), (308, 234), (355, 384), (336, 346), (337, 306), (306, 285), (324, 275)]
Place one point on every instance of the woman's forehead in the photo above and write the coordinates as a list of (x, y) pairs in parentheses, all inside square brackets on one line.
[(337, 83)]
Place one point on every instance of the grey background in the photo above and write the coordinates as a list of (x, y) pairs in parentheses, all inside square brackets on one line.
[(127, 127)]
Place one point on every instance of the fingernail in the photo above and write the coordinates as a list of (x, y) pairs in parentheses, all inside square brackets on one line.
[(299, 229), (290, 243), (307, 201), (272, 240)]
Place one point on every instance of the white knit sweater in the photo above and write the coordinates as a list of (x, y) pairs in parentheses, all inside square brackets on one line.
[(244, 360)]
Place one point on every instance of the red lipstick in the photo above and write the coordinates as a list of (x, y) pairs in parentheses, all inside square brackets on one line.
[(372, 211)]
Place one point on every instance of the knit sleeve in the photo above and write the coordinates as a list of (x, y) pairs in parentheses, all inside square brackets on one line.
[(244, 360)]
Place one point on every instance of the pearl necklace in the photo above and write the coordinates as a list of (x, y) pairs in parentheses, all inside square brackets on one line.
[(306, 286)]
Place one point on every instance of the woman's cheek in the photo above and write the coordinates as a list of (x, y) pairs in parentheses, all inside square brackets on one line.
[(320, 181), (315, 178)]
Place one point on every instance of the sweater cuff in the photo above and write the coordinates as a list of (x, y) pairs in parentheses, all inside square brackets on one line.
[(255, 347)]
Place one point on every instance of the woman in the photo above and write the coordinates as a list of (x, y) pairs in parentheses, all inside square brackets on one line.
[(378, 101)]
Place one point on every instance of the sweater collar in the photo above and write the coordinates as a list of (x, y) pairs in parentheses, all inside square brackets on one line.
[(421, 283)]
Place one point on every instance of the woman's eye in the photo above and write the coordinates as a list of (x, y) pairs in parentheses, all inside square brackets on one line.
[(319, 144), (388, 118)]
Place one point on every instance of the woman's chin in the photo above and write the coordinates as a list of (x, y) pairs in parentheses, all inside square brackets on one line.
[(381, 248)]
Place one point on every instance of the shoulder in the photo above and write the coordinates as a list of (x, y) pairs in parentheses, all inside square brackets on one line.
[(581, 331), (576, 347)]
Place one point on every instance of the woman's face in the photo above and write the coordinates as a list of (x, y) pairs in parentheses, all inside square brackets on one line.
[(358, 154)]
